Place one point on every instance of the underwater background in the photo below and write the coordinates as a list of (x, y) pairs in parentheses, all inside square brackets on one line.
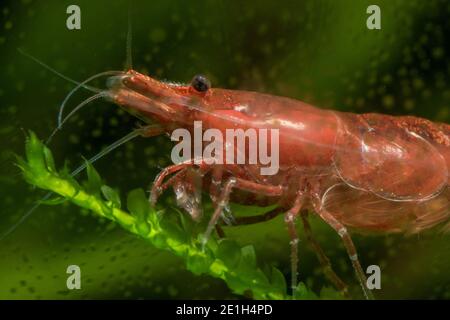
[(317, 51)]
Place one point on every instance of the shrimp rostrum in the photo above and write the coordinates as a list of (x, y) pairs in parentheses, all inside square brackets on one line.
[(359, 172)]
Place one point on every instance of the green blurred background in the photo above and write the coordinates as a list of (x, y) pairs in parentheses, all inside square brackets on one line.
[(317, 51)]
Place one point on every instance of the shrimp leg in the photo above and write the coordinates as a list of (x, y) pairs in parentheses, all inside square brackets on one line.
[(349, 246), (323, 259), (180, 169), (214, 192), (223, 199), (290, 218), (240, 221), (320, 254), (178, 178)]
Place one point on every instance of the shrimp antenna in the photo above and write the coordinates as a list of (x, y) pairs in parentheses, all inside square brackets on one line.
[(129, 57), (75, 172), (78, 85), (78, 107), (46, 66), (95, 76)]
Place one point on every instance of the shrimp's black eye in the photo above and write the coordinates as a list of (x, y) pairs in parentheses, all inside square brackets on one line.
[(200, 83)]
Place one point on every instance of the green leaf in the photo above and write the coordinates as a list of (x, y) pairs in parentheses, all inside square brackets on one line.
[(160, 241), (20, 162), (35, 155), (186, 222), (329, 293), (54, 201), (260, 278), (302, 292), (94, 182), (65, 174), (247, 264), (236, 284), (229, 252), (49, 160), (25, 168), (212, 242), (138, 204), (198, 264), (278, 280), (174, 231), (111, 195)]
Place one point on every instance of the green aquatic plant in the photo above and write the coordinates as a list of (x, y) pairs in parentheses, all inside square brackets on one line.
[(223, 258)]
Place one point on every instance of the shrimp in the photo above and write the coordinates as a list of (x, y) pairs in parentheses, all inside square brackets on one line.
[(364, 172)]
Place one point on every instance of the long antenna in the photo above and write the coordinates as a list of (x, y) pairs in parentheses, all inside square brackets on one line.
[(129, 57), (59, 74)]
